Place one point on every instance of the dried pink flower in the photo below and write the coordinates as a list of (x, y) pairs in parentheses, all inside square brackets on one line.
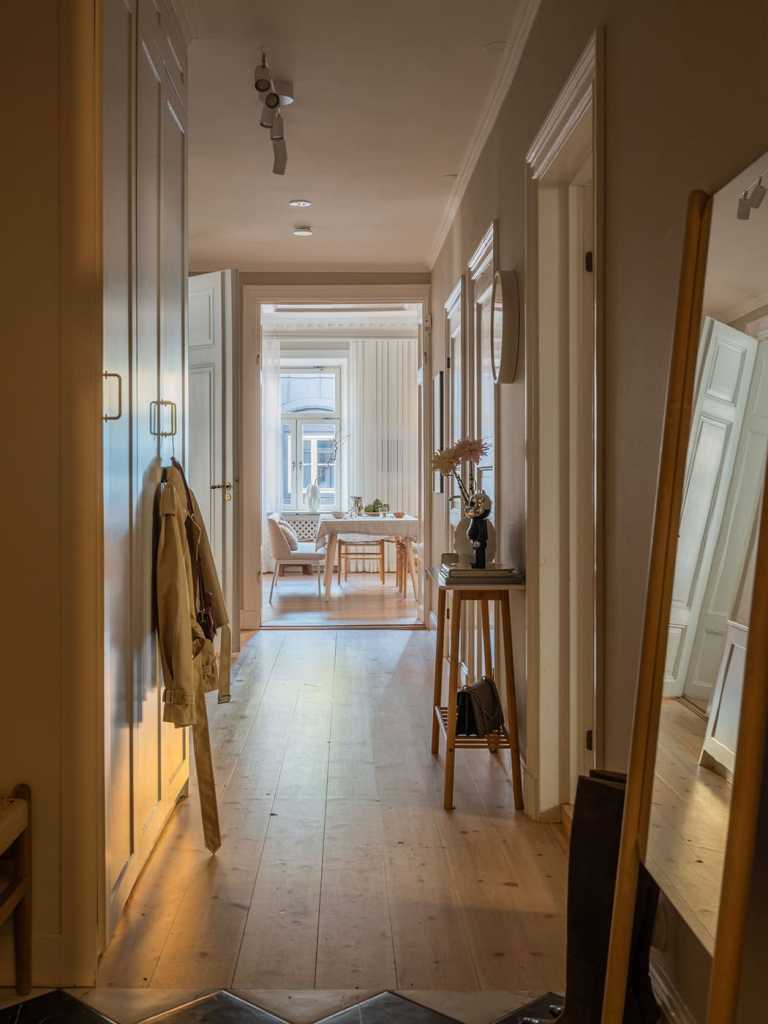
[(469, 449)]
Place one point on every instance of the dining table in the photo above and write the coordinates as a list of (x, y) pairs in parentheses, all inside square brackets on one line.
[(403, 528)]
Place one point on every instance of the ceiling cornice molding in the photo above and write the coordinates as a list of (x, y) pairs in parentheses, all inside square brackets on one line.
[(325, 326), (519, 33), (370, 334)]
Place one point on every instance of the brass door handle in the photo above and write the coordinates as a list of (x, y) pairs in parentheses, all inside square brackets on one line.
[(226, 487)]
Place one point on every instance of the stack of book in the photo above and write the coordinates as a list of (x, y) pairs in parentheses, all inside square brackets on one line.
[(494, 574)]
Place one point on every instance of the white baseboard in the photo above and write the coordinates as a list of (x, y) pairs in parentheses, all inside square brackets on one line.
[(673, 1006)]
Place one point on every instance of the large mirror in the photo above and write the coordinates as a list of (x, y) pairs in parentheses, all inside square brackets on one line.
[(700, 730), (708, 616)]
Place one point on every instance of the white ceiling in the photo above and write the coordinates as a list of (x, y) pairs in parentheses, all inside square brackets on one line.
[(388, 99), (737, 263)]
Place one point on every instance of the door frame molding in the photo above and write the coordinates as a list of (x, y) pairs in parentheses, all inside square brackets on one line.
[(582, 94), (248, 430)]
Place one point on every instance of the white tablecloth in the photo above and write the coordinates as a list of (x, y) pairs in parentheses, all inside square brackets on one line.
[(377, 526)]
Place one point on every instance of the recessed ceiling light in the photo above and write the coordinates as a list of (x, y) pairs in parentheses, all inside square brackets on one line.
[(300, 202), (302, 230)]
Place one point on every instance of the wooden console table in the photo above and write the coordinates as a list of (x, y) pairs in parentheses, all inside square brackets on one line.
[(444, 719)]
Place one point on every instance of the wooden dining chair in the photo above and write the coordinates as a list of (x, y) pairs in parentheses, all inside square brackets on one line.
[(15, 883), (363, 548)]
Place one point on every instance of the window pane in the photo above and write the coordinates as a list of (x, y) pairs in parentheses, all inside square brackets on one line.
[(308, 392), (320, 458), (289, 500)]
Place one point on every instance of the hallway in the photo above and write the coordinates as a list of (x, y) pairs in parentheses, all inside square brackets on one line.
[(339, 868)]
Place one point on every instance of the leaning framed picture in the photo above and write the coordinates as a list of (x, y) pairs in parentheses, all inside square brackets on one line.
[(438, 440)]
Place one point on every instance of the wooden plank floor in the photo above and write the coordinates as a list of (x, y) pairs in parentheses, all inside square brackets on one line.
[(689, 821), (360, 601), (339, 868)]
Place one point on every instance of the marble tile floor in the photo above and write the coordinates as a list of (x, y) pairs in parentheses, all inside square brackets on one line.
[(254, 1006)]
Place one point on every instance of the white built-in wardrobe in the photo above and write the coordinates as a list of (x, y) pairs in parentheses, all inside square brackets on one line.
[(144, 291)]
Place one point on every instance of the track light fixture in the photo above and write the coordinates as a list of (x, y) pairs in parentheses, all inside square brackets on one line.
[(757, 195), (275, 95), (751, 198)]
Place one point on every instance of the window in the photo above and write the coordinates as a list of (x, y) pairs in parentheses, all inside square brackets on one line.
[(310, 403)]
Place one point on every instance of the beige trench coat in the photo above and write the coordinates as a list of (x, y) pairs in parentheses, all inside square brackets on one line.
[(186, 583)]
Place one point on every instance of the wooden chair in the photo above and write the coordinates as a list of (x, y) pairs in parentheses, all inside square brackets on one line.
[(403, 571), (15, 880), (363, 548), (305, 554)]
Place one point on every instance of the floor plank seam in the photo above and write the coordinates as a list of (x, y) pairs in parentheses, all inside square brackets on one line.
[(325, 811)]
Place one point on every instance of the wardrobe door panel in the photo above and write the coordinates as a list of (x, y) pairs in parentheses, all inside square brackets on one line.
[(117, 105), (147, 462), (173, 279)]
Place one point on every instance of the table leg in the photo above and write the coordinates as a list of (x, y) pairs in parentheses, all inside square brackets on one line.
[(514, 739), (453, 686), (410, 569), (382, 567), (485, 620), (486, 629), (439, 650), (330, 558)]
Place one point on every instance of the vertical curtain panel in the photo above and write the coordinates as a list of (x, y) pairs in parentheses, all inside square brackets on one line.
[(271, 426), (384, 423)]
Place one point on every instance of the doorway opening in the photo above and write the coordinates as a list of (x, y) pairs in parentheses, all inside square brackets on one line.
[(333, 463), (564, 369)]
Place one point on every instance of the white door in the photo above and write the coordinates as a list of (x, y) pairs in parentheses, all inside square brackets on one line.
[(211, 462), (723, 384), (733, 543)]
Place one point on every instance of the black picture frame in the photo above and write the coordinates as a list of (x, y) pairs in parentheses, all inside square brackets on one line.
[(438, 436)]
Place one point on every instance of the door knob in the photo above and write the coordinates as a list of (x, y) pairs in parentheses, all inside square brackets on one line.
[(226, 487)]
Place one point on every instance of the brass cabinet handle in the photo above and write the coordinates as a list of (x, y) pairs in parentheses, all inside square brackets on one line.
[(115, 376), (154, 422)]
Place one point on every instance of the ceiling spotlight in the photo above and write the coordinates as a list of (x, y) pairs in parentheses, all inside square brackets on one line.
[(302, 203), (263, 81), (757, 195), (302, 231), (279, 156), (744, 208)]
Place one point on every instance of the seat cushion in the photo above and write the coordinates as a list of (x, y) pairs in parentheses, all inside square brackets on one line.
[(305, 552), (360, 538)]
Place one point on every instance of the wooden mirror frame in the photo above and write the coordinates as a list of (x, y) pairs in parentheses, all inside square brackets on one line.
[(742, 827)]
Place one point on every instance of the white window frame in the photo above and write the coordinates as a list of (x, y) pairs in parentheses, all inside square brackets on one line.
[(296, 419)]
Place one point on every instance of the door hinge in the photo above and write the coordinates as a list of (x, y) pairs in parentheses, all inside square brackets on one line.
[(428, 322), (589, 740), (589, 262)]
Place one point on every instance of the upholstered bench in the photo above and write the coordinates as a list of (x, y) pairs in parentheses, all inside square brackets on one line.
[(15, 819)]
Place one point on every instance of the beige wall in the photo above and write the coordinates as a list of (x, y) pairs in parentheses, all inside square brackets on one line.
[(686, 95)]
